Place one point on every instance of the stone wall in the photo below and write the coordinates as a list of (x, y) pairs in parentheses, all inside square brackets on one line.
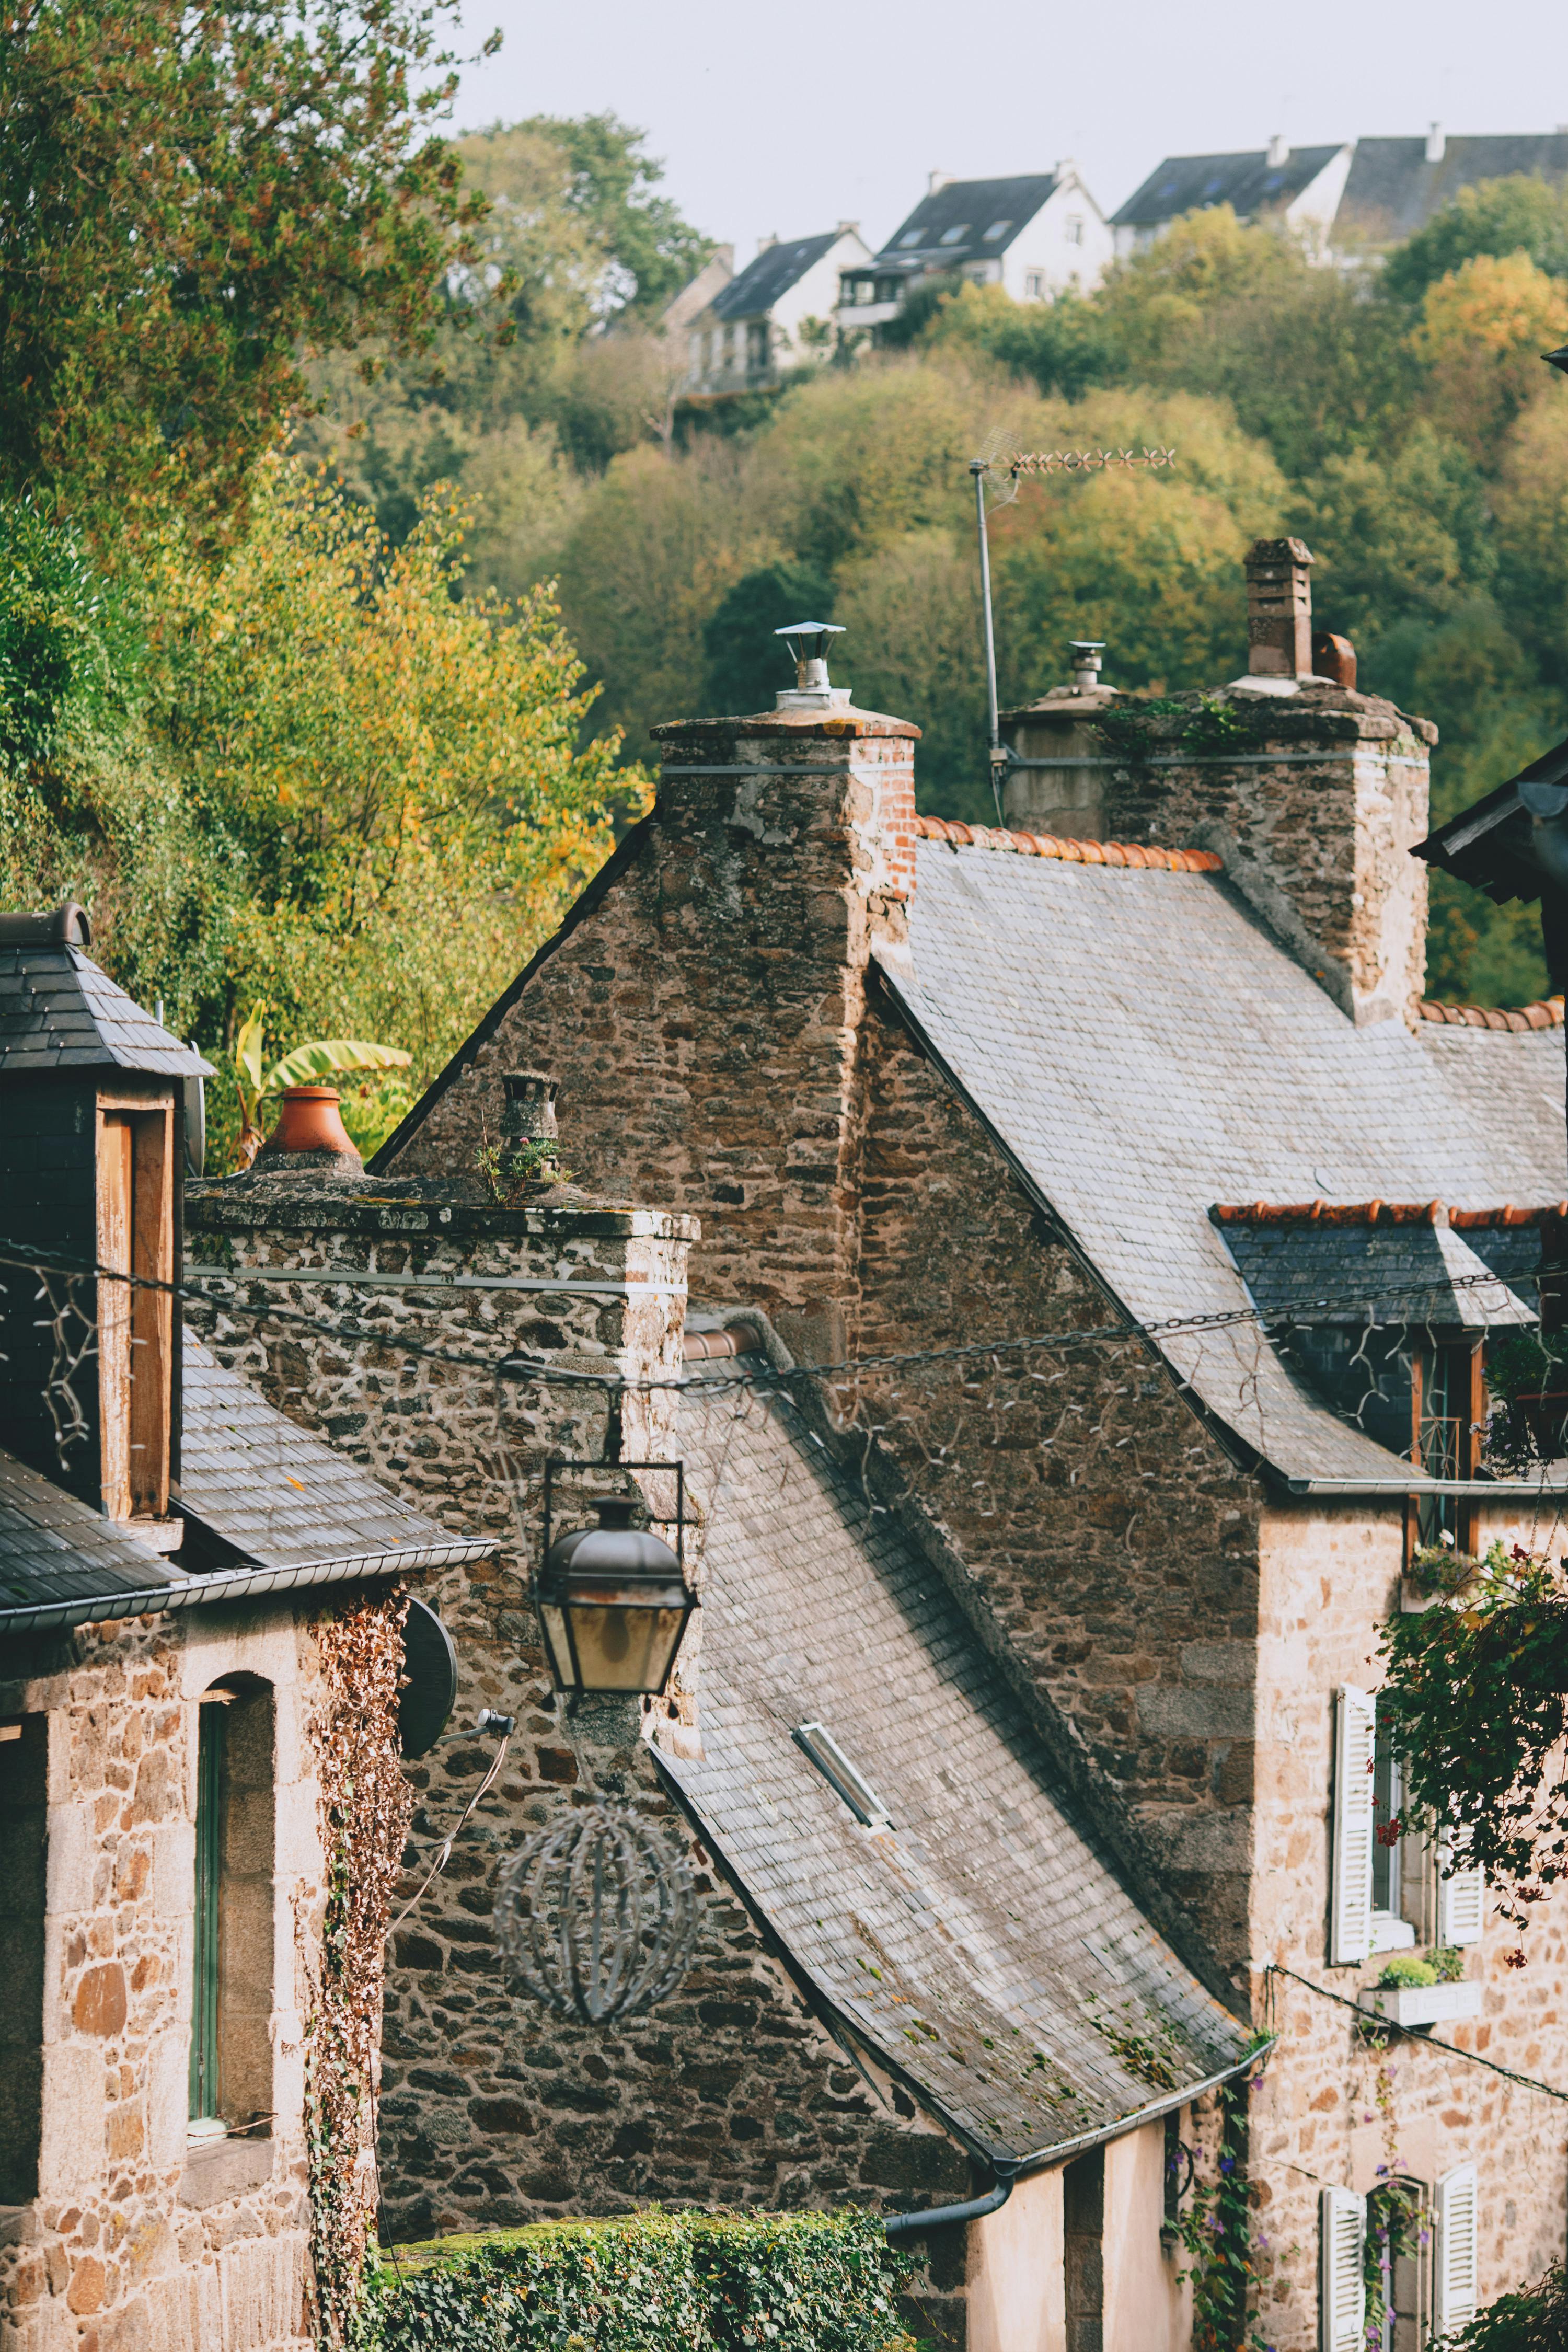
[(1329, 2110), (735, 2091), (136, 2239)]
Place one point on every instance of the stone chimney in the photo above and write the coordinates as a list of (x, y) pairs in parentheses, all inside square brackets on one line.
[(703, 1004), (1279, 609), (1314, 801)]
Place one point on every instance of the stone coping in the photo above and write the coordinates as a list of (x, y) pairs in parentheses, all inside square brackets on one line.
[(831, 726), (388, 1207)]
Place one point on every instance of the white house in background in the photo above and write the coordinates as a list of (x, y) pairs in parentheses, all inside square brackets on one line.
[(775, 316), (1301, 185), (697, 293), (1037, 235)]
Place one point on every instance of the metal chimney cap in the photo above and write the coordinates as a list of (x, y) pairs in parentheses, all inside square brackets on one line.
[(1086, 644), (811, 629)]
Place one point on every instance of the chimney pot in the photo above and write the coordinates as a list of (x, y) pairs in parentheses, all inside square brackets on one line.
[(1334, 658), (1436, 143), (1085, 652), (1278, 151), (1279, 609), (936, 179), (310, 1122), (530, 1112)]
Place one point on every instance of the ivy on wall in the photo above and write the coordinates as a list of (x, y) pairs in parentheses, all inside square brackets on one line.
[(654, 2283), (367, 1805)]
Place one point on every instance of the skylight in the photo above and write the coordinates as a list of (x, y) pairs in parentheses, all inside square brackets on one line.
[(823, 1751), (997, 229), (955, 235), (912, 236)]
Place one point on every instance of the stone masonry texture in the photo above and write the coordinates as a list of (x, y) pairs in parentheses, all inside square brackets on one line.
[(736, 2090)]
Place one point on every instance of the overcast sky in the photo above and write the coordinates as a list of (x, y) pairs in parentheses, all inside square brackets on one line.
[(790, 118)]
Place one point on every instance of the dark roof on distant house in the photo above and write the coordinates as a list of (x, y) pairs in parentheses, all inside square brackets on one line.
[(58, 1011), (983, 1944), (765, 281), (1248, 183), (1392, 190), (1488, 845), (968, 220), (285, 1509), (1142, 1049)]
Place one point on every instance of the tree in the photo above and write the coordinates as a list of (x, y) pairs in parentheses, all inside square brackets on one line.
[(329, 783), (189, 195), (1482, 331), (745, 663), (650, 250)]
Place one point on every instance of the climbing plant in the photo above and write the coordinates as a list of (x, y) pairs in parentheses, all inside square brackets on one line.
[(365, 1804), (1215, 2228)]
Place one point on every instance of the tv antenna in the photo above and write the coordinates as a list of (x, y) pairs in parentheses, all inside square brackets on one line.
[(996, 473)]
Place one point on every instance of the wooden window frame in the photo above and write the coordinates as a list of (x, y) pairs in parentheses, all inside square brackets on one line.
[(1471, 1386), (135, 1152)]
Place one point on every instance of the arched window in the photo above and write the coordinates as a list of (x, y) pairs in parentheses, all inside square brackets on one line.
[(231, 2008)]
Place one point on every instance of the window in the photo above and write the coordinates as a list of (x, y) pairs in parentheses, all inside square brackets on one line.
[(1073, 232), (996, 229), (956, 235), (231, 2003), (757, 346), (886, 289), (864, 290), (1034, 285), (1390, 1887), (1448, 1409), (839, 1773), (135, 1344)]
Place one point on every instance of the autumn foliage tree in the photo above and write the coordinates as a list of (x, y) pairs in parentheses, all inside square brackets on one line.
[(190, 196)]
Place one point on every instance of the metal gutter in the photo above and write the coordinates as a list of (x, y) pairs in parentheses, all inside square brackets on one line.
[(1499, 1490), (233, 1585), (1010, 2170)]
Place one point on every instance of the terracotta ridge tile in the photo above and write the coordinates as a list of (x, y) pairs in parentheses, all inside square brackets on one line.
[(1076, 853), (1380, 1212), (1546, 1013)]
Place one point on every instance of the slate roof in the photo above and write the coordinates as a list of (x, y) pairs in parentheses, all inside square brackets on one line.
[(972, 205), (287, 1510), (984, 1944), (1142, 1049), (1426, 1274), (765, 281), (58, 1011), (1392, 190), (1248, 182)]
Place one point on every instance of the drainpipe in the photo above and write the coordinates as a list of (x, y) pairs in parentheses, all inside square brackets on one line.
[(903, 2225)]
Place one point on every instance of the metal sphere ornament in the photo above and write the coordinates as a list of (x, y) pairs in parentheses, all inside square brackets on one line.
[(597, 1915)]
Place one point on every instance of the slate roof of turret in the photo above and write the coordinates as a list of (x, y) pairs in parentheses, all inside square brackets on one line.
[(58, 1011)]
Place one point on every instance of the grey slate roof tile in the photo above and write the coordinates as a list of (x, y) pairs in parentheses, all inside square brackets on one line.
[(1144, 1049), (984, 1944), (58, 1010), (1371, 1273)]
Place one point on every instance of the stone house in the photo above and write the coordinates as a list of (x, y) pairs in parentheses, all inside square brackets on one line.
[(774, 316), (1146, 1225), (198, 1635), (1036, 235), (1352, 199)]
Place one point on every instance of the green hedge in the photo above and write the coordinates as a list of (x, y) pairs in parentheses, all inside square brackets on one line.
[(654, 2283)]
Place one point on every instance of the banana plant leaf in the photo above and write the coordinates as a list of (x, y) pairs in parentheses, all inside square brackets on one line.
[(331, 1057)]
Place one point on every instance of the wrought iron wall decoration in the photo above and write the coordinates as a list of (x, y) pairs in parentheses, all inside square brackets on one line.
[(597, 1916)]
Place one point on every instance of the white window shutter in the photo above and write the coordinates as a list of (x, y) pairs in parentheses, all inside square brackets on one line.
[(1461, 1901), (1455, 2228), (1350, 1935), (1341, 2282)]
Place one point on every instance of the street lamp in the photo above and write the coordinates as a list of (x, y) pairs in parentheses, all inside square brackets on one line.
[(612, 1601)]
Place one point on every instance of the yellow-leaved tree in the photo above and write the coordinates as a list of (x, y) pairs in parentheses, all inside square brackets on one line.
[(385, 778)]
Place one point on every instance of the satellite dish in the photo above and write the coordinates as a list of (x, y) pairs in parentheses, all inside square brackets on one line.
[(430, 1687), (195, 1122)]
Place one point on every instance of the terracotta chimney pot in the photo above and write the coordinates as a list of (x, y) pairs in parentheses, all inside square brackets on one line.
[(309, 1121)]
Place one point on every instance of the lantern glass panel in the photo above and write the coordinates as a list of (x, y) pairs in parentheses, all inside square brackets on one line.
[(613, 1645)]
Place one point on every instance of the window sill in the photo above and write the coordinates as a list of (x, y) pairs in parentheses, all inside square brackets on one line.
[(1391, 1935), (217, 2169)]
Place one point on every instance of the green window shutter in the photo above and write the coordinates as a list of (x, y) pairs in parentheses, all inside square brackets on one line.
[(209, 1851)]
